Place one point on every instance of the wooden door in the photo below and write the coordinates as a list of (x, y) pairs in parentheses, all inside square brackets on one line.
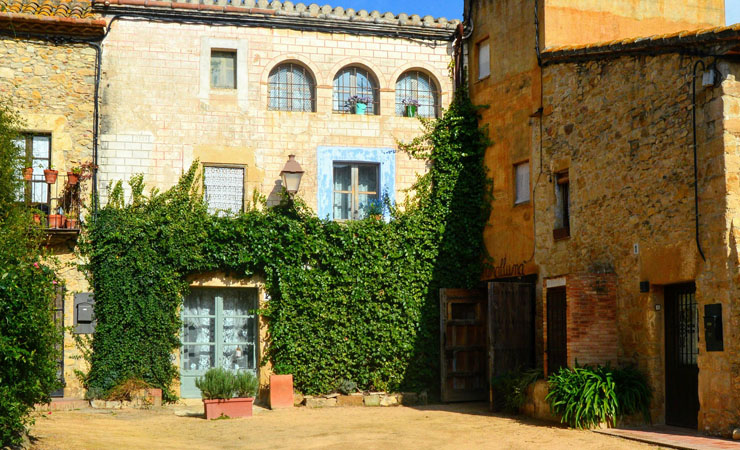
[(681, 350), (510, 327), (557, 329), (463, 345)]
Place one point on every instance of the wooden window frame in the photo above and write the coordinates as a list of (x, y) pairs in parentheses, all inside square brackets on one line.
[(352, 89), (28, 160), (233, 73), (405, 93), (478, 45), (288, 90), (354, 183), (529, 183)]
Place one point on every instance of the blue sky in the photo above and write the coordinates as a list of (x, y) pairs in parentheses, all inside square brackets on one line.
[(453, 8)]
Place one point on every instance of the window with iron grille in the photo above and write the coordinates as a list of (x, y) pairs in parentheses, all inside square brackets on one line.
[(35, 151), (223, 69), (416, 85), (354, 81), (223, 188), (292, 88), (356, 187)]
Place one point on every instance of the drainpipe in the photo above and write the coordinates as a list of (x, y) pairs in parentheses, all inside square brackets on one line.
[(696, 170)]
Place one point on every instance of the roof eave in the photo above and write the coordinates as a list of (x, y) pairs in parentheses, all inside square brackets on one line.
[(51, 25)]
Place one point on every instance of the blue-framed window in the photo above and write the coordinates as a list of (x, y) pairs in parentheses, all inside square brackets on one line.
[(350, 179)]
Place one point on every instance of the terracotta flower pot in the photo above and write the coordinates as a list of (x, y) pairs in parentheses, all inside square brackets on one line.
[(72, 178), (37, 218), (281, 391), (72, 224), (51, 176), (233, 407), (28, 173), (56, 221)]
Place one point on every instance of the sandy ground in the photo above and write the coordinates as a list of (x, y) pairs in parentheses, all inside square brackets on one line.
[(433, 426)]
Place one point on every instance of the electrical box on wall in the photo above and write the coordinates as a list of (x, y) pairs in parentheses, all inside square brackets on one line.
[(84, 313), (713, 327)]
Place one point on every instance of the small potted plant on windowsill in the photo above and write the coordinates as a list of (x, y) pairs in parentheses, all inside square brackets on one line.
[(28, 173), (50, 175), (37, 214), (411, 106), (73, 176), (227, 393), (357, 104)]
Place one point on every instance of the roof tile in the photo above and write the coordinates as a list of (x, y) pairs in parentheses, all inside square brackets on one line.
[(49, 8)]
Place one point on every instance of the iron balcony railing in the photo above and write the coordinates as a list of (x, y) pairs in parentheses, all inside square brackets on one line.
[(53, 199)]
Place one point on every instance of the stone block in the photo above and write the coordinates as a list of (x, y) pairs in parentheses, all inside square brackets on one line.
[(389, 400), (371, 400), (297, 398), (408, 398), (281, 391), (320, 402), (350, 400)]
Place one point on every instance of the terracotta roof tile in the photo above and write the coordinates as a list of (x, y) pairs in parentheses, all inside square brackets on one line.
[(49, 8)]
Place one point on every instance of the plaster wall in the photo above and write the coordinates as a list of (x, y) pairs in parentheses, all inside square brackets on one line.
[(159, 115), (627, 146), (576, 22), (51, 87)]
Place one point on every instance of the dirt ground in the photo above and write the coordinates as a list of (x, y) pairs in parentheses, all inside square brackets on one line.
[(433, 426)]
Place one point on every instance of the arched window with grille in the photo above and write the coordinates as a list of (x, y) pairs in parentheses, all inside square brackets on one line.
[(417, 88), (355, 82), (291, 88)]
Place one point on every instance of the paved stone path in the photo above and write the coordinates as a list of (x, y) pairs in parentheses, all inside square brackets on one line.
[(673, 437)]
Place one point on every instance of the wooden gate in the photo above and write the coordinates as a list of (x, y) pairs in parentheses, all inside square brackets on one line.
[(681, 350), (511, 327), (557, 329), (463, 345)]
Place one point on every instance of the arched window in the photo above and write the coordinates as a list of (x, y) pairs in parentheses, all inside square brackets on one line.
[(292, 88), (355, 81), (415, 86)]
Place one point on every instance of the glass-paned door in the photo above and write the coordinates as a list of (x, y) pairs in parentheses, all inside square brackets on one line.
[(219, 329)]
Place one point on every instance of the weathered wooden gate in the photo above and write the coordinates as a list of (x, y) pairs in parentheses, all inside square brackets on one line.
[(463, 315), (510, 327)]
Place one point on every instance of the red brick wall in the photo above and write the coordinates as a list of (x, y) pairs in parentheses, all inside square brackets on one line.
[(592, 318)]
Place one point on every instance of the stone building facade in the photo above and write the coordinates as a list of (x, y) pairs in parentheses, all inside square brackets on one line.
[(609, 231), (49, 80), (239, 88)]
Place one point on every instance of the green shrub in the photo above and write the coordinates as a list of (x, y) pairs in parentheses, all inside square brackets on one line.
[(217, 383), (246, 384), (587, 396), (28, 286), (510, 390), (346, 387)]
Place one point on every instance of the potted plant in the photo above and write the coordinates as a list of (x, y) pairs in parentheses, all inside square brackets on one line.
[(72, 223), (28, 173), (73, 177), (51, 175), (37, 213), (56, 221), (227, 393), (374, 210), (411, 106), (358, 104)]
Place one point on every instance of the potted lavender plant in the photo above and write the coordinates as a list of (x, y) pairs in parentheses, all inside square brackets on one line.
[(358, 104), (411, 106)]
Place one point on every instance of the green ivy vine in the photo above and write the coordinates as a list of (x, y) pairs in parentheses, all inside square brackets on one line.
[(355, 301)]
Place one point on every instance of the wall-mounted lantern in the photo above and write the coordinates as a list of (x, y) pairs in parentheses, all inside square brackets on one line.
[(291, 175)]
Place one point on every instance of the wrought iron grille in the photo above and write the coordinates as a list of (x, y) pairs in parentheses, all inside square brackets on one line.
[(223, 188), (352, 81), (415, 85), (292, 88), (687, 329)]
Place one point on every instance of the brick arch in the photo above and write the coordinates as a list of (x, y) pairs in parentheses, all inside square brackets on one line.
[(294, 58), (358, 62)]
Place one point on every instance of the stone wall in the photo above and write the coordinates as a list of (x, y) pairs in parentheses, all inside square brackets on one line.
[(52, 88), (623, 129), (159, 115)]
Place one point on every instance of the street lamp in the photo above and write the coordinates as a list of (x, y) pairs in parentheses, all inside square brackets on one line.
[(291, 175)]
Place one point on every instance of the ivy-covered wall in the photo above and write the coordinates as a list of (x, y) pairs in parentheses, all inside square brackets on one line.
[(355, 300)]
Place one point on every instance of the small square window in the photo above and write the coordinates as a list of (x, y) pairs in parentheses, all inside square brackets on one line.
[(484, 59), (223, 69), (521, 194), (356, 188), (223, 188)]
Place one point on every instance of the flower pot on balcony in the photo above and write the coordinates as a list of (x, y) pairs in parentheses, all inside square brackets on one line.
[(37, 219), (72, 224), (51, 176), (72, 178), (28, 173), (56, 221), (411, 110), (233, 407), (360, 109)]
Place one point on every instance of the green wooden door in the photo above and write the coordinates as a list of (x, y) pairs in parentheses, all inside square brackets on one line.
[(219, 330)]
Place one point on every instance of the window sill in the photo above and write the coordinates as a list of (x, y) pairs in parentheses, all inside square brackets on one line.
[(560, 234), (524, 203), (483, 79)]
